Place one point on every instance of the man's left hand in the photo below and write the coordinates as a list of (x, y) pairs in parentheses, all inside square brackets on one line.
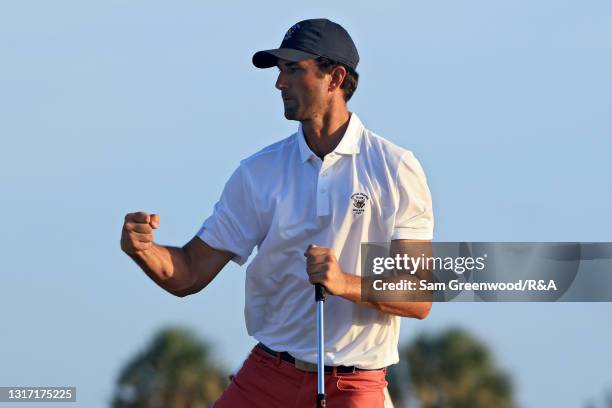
[(323, 267)]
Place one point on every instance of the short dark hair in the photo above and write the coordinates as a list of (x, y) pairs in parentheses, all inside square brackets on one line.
[(349, 84)]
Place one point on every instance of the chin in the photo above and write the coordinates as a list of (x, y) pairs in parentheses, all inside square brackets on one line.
[(291, 115)]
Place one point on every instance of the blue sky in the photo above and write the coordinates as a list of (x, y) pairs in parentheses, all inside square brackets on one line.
[(111, 107)]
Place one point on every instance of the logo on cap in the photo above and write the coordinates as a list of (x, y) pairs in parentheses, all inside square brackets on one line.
[(291, 31)]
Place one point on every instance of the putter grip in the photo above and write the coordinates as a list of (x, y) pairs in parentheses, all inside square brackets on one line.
[(321, 402), (319, 292)]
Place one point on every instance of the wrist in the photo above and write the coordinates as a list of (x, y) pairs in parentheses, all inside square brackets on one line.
[(351, 288)]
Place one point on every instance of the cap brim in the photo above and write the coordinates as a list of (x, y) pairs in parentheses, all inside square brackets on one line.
[(268, 58)]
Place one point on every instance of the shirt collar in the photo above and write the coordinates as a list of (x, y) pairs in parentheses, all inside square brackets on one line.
[(349, 144)]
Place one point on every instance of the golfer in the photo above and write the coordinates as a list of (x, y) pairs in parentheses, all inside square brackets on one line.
[(306, 202)]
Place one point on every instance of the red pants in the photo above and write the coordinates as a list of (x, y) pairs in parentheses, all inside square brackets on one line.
[(268, 382)]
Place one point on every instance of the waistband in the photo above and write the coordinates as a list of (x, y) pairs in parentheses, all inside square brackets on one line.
[(305, 366)]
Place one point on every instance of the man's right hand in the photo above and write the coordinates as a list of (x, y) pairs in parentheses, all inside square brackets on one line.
[(137, 233), (180, 271)]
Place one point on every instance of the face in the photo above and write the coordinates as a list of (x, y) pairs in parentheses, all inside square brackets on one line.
[(303, 88)]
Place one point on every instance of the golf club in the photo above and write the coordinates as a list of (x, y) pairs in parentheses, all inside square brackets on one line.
[(320, 299)]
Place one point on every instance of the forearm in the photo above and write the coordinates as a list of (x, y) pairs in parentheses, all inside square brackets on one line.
[(418, 308), (167, 266)]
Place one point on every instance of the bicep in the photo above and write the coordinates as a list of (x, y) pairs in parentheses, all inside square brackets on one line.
[(414, 248), (205, 262)]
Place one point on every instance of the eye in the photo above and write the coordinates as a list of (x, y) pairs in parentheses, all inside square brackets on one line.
[(287, 69)]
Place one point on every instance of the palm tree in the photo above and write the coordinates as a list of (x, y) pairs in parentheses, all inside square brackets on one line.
[(451, 370), (175, 371)]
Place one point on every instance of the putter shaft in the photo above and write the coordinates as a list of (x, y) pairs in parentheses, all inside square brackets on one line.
[(320, 299)]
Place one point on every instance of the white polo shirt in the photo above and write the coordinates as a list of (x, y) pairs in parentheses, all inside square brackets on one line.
[(283, 199)]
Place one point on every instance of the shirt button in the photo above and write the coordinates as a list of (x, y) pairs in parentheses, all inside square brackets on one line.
[(323, 191)]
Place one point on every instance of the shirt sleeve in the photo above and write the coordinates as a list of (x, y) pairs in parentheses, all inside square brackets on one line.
[(414, 217), (234, 225)]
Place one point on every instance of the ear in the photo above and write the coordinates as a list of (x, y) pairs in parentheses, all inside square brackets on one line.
[(337, 77)]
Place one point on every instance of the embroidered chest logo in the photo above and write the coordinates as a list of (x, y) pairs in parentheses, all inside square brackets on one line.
[(359, 203)]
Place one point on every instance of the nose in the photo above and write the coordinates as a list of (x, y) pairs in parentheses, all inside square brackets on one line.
[(280, 81)]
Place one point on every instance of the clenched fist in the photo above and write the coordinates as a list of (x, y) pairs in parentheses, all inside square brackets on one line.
[(323, 267), (137, 234)]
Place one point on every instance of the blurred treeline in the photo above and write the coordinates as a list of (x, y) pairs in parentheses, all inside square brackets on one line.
[(176, 370), (451, 369)]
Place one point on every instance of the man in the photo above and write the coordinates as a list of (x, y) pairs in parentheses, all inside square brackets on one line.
[(307, 203)]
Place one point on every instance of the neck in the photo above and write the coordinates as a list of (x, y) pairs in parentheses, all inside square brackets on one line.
[(323, 133)]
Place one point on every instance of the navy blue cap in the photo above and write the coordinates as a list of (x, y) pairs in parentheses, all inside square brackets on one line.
[(312, 39)]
